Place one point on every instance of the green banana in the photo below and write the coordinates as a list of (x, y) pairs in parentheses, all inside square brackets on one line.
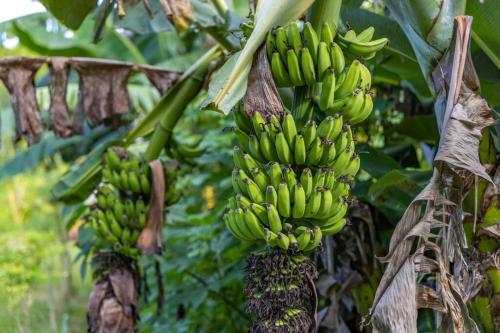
[(309, 133), (342, 141), (281, 42), (326, 202), (313, 203), (315, 152), (274, 219), (351, 80), (294, 71), (250, 162), (329, 153), (325, 127), (365, 78), (279, 71), (113, 160), (337, 58), (311, 41), (282, 149), (303, 239), (352, 168), (289, 129), (267, 147), (338, 123), (283, 241), (334, 228), (271, 196), (124, 181), (366, 110), (241, 119), (261, 212), (275, 174), (316, 239), (307, 66), (242, 138), (294, 39), (238, 159), (329, 179), (342, 160), (258, 123), (260, 178), (327, 94), (299, 202), (243, 202), (300, 152), (145, 184), (326, 33), (270, 45), (324, 61), (284, 200), (365, 35), (254, 147), (367, 49), (354, 105), (253, 190), (134, 182), (319, 178), (291, 181), (306, 179)]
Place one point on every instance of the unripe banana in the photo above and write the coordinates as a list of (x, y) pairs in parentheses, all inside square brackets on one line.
[(260, 178), (291, 181), (271, 238), (337, 58), (124, 181), (101, 201), (326, 33), (267, 147), (294, 71), (351, 80), (254, 146), (342, 160), (125, 237), (134, 182), (354, 105), (283, 241), (261, 212), (242, 138), (233, 204), (258, 123), (238, 159), (313, 204), (107, 175), (284, 200), (118, 210), (319, 178), (145, 185), (242, 226), (275, 123), (352, 168), (338, 123), (365, 78), (349, 36), (306, 179), (294, 39), (329, 153), (289, 129), (253, 190), (270, 45), (299, 202), (243, 202), (307, 65), (281, 42), (334, 228), (250, 162), (300, 153), (366, 110), (316, 239), (282, 149), (311, 41), (365, 35), (303, 239), (113, 160), (271, 196), (342, 141), (309, 133), (235, 181), (275, 174), (241, 119), (325, 127), (326, 202), (329, 179), (315, 152), (324, 61), (280, 73), (327, 94), (274, 219), (252, 223), (367, 49)]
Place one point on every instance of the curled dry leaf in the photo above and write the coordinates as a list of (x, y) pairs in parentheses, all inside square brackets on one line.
[(150, 239), (462, 115), (103, 92), (18, 76), (179, 12)]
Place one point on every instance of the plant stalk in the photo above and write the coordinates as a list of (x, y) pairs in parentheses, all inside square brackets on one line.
[(325, 11), (183, 95)]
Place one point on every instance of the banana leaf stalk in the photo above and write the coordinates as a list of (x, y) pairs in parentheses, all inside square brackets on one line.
[(269, 13)]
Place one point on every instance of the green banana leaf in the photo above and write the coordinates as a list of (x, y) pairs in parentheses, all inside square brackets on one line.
[(485, 27), (70, 13)]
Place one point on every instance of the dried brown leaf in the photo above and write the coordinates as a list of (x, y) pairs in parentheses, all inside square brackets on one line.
[(59, 112)]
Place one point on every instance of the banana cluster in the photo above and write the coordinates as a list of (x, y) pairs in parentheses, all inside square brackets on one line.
[(122, 200), (291, 185), (185, 152), (306, 57)]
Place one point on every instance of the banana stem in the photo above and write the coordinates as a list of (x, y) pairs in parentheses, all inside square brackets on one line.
[(325, 11), (183, 95)]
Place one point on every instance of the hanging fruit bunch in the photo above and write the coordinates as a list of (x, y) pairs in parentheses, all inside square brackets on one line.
[(122, 202), (292, 175)]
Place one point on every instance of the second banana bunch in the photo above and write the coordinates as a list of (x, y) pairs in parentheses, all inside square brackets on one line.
[(328, 60), (291, 185), (120, 211)]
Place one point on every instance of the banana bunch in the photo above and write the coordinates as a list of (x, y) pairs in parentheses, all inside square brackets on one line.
[(185, 152), (302, 57), (361, 45), (290, 184), (122, 200)]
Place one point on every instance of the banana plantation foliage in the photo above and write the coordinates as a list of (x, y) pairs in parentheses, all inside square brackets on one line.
[(256, 166)]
